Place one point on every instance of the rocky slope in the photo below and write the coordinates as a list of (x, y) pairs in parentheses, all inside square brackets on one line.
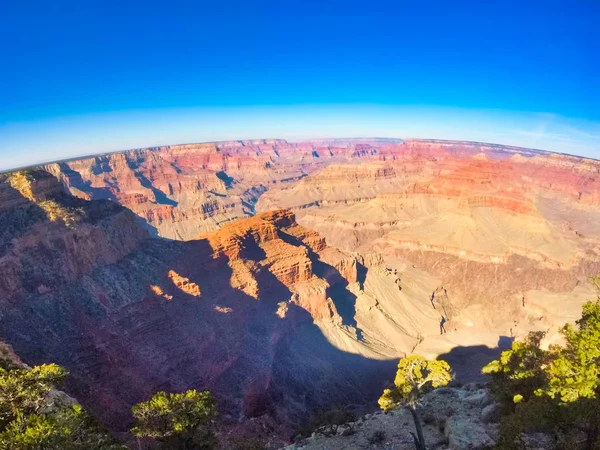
[(454, 418), (511, 234), (238, 311), (183, 189)]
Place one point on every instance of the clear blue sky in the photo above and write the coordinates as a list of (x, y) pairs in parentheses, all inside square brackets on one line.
[(79, 77)]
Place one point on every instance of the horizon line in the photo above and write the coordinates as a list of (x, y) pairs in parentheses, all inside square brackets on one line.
[(291, 141)]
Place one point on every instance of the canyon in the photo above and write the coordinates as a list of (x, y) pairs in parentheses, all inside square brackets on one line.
[(282, 275)]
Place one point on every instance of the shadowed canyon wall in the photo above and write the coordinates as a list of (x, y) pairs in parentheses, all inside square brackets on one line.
[(233, 311)]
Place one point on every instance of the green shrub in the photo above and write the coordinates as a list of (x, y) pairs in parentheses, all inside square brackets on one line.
[(177, 421), (555, 390), (33, 418)]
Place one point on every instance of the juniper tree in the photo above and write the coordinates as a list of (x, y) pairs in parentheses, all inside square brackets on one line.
[(557, 389), (415, 377), (177, 421), (32, 417)]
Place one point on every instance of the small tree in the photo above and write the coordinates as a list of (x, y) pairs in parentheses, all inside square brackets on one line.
[(178, 421), (575, 371), (557, 389), (32, 417), (415, 376), (519, 371)]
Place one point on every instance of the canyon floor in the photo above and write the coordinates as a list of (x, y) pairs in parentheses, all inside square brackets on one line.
[(281, 275)]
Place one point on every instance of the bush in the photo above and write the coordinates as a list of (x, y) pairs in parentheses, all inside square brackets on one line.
[(555, 390), (182, 421), (32, 418)]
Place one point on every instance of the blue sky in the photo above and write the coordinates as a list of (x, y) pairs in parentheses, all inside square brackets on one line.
[(83, 77)]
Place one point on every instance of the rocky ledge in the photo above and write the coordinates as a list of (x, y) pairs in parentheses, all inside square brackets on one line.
[(454, 418)]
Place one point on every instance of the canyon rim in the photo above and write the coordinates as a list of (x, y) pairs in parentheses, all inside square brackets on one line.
[(281, 275)]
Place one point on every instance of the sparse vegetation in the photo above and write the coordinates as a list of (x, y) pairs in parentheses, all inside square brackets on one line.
[(415, 376), (327, 422), (177, 421), (33, 416), (555, 390)]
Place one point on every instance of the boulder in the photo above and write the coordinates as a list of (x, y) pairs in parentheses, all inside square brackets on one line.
[(490, 413), (465, 434), (480, 398)]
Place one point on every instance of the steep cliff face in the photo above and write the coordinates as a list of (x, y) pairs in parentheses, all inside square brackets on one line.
[(495, 225), (50, 238), (398, 247), (182, 190), (233, 311)]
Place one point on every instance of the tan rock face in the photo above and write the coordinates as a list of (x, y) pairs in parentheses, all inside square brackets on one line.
[(182, 190), (492, 224)]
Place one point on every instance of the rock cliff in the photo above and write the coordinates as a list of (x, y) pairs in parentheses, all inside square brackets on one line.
[(506, 231), (233, 311), (361, 251)]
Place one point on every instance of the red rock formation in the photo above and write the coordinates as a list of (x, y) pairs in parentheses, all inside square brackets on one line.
[(229, 311), (183, 190), (489, 221), (232, 308)]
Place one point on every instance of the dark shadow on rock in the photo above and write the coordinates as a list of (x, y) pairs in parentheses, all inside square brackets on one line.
[(76, 181), (226, 179), (152, 230), (99, 194), (160, 196), (128, 330), (101, 166), (361, 274), (344, 300), (505, 342), (467, 361)]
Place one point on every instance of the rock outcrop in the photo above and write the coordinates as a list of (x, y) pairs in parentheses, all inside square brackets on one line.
[(505, 231), (452, 418), (233, 311)]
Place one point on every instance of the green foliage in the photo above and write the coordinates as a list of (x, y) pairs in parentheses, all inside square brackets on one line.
[(519, 371), (575, 372), (31, 418), (556, 390), (177, 421), (415, 376), (24, 392)]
